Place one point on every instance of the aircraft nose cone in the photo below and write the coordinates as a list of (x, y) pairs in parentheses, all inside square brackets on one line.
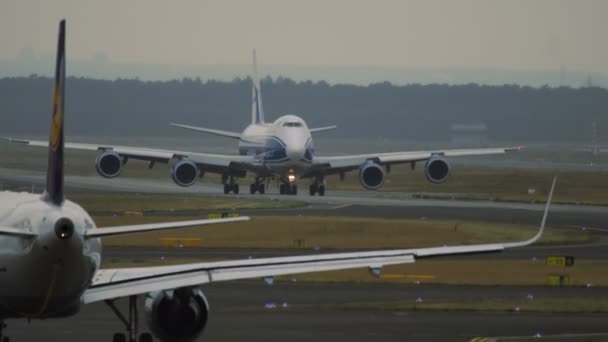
[(295, 152)]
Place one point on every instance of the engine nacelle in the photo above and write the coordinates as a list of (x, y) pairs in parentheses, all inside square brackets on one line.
[(177, 315), (185, 173), (437, 170), (371, 176), (108, 164)]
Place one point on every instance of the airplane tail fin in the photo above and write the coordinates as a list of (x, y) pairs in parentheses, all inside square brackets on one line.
[(257, 110), (54, 174)]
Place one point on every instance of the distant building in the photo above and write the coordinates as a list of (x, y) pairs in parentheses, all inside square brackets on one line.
[(469, 134)]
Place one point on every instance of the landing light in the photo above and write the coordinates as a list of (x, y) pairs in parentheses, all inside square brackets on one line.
[(291, 178)]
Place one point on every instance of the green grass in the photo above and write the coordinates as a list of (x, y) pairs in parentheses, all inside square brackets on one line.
[(564, 305), (340, 233), (100, 202), (488, 272), (496, 184)]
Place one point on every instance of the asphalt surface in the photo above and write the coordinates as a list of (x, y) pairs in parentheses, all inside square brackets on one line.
[(340, 203), (315, 312)]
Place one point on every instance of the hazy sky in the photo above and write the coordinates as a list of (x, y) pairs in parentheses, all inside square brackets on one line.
[(510, 34)]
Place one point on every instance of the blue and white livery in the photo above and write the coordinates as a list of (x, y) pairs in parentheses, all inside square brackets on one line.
[(282, 151)]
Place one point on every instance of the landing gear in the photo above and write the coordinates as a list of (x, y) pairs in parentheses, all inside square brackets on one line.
[(318, 187), (288, 189), (232, 186), (258, 186), (131, 323), (2, 337)]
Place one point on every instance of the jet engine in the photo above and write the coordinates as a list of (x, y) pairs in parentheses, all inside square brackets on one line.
[(184, 173), (437, 170), (178, 315), (371, 176), (108, 164)]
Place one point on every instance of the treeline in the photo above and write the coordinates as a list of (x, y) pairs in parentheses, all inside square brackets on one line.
[(411, 112)]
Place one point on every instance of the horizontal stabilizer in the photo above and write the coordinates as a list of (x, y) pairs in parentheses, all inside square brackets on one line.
[(16, 232), (119, 230), (227, 134), (321, 129)]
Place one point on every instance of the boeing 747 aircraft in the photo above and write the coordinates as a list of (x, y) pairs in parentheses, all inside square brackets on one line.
[(50, 257), (282, 150)]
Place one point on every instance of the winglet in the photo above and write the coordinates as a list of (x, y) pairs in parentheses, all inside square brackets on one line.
[(257, 110), (542, 223), (54, 174)]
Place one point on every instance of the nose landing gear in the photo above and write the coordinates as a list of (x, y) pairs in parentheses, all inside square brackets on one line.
[(288, 189)]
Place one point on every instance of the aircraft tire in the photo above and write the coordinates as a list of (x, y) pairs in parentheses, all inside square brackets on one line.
[(146, 337), (252, 189), (262, 189), (235, 189), (282, 189), (226, 189), (119, 337), (313, 190), (321, 190)]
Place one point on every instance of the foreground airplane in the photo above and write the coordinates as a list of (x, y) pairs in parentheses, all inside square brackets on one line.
[(282, 150), (50, 257)]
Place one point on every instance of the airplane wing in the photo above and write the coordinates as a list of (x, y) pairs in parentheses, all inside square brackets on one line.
[(216, 163), (116, 283), (321, 129), (221, 133), (328, 165), (140, 228), (16, 232)]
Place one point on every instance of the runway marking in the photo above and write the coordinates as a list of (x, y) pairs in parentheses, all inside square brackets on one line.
[(342, 206), (408, 276), (481, 339)]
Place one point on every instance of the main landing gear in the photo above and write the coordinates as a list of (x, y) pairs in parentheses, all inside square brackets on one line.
[(317, 187), (258, 186), (131, 323), (2, 337), (231, 186)]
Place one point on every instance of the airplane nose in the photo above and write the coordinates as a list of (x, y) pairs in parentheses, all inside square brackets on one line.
[(295, 152)]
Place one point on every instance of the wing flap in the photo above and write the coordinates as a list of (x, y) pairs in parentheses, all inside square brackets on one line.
[(141, 228)]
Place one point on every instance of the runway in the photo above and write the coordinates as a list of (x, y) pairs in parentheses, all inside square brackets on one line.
[(313, 313), (343, 203)]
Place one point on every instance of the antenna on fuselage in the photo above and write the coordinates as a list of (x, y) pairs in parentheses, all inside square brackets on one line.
[(257, 110), (54, 172)]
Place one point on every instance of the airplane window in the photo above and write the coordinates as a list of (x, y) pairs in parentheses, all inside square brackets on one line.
[(292, 124)]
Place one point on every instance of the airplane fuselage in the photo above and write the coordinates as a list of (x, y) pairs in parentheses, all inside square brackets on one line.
[(286, 144), (44, 276)]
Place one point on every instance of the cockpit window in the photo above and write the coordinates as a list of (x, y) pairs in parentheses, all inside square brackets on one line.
[(292, 124)]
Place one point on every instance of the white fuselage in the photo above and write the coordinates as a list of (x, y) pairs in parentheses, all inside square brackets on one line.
[(44, 276), (285, 144)]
